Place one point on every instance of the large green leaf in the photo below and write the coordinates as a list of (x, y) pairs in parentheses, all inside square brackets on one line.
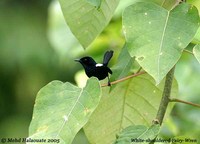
[(157, 36), (196, 51), (132, 102), (138, 134), (85, 20), (62, 109)]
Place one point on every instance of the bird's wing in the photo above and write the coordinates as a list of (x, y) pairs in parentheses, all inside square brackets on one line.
[(107, 56)]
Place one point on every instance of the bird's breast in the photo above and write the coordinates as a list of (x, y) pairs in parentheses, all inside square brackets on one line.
[(100, 72)]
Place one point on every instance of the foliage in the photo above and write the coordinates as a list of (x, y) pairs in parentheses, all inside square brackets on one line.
[(133, 102), (155, 39), (157, 35)]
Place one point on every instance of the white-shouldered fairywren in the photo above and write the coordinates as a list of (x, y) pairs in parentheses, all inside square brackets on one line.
[(97, 69)]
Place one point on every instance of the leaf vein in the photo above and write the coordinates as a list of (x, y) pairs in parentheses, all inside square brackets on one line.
[(161, 43), (70, 112)]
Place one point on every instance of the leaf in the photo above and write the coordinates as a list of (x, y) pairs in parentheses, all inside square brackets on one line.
[(85, 20), (157, 36), (196, 51), (123, 65), (62, 109), (132, 102), (138, 134)]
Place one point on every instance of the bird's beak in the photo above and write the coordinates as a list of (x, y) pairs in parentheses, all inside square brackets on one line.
[(77, 60)]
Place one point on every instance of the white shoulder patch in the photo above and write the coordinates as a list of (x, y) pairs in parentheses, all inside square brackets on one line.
[(99, 65)]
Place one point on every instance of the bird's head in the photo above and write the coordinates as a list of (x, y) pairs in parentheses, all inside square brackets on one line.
[(86, 61)]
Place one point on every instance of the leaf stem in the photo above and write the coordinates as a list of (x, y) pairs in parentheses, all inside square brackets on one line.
[(139, 70), (165, 97), (185, 102), (187, 51), (123, 79)]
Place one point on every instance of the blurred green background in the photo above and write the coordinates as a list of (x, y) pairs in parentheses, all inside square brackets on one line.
[(36, 47)]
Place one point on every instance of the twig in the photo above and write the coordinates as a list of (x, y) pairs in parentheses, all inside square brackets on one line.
[(165, 97), (123, 79), (185, 102)]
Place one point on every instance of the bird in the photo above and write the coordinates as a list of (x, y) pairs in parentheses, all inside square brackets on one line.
[(101, 71)]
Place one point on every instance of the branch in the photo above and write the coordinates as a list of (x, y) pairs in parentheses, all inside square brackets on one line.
[(165, 97), (185, 102), (123, 79)]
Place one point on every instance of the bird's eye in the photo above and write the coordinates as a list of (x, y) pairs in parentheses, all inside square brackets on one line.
[(85, 59)]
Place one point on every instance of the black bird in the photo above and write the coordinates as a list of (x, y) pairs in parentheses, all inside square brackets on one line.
[(96, 69)]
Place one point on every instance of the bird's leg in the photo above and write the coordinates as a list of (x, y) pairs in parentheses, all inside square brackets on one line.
[(109, 81)]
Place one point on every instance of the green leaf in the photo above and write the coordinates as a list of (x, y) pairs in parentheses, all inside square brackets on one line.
[(123, 65), (62, 109), (85, 20), (132, 102), (138, 134), (157, 36), (196, 51)]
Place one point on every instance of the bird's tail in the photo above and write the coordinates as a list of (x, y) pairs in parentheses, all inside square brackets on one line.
[(107, 56)]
